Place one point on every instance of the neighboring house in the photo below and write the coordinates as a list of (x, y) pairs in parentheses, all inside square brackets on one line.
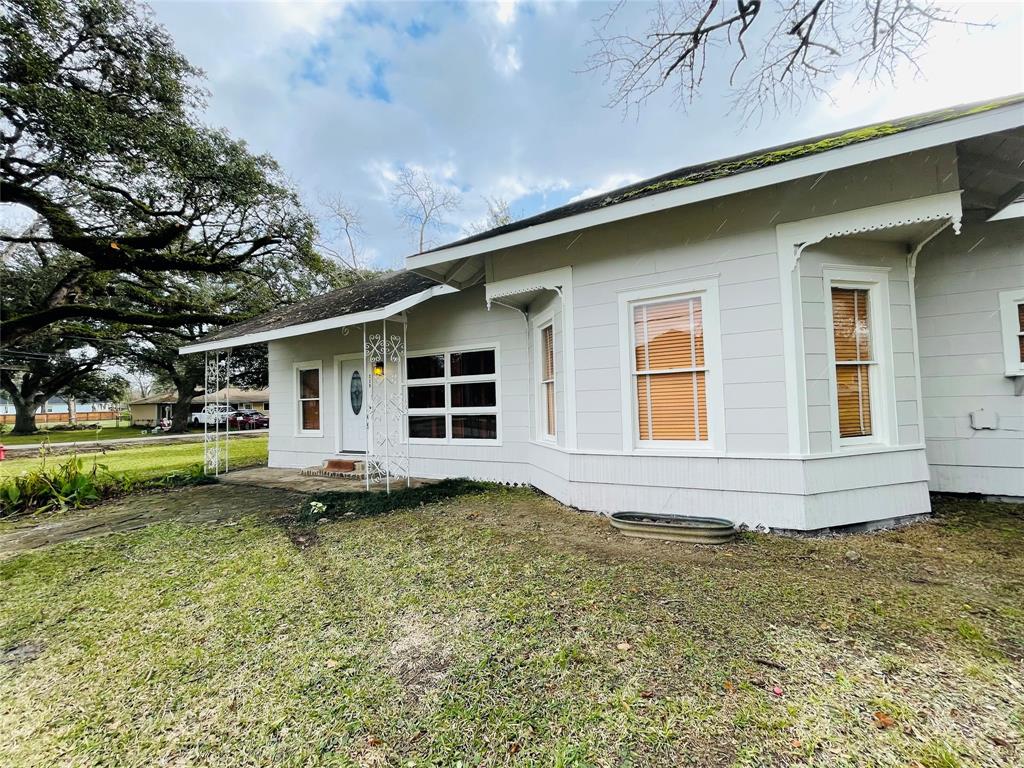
[(811, 336), (149, 411), (58, 405)]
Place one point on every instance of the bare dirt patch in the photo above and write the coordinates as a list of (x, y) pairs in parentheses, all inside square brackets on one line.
[(201, 504)]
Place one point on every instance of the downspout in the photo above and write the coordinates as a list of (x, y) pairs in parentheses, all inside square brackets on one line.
[(911, 274)]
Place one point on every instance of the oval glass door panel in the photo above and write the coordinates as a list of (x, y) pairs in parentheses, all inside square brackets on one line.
[(356, 392)]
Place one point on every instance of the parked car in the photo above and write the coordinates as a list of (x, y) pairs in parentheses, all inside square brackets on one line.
[(213, 414), (247, 419)]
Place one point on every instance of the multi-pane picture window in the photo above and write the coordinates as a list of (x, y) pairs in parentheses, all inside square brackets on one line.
[(309, 399), (669, 372), (547, 379), (851, 322), (453, 396)]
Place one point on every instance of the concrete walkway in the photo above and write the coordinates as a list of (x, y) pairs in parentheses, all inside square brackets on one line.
[(294, 480), (87, 446)]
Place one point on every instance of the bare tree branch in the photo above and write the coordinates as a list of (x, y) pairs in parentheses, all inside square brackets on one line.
[(785, 51), (345, 223), (422, 203)]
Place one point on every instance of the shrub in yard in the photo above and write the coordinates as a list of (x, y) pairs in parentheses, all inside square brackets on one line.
[(72, 485), (334, 504)]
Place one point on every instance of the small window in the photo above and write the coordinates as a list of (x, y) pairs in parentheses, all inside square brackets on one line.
[(547, 379), (851, 323), (309, 398), (1011, 310), (669, 371), (453, 396)]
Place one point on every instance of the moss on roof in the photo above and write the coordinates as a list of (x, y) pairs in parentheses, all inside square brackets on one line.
[(731, 166)]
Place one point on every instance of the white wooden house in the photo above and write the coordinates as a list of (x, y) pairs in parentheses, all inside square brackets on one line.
[(811, 336)]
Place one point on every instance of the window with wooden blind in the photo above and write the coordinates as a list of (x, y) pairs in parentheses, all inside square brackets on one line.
[(547, 379), (1011, 307), (669, 371), (854, 359), (308, 383)]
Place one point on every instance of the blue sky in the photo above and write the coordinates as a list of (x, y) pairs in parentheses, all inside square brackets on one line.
[(490, 99)]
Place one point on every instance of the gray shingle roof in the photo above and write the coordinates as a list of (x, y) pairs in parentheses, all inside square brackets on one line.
[(375, 293), (731, 166)]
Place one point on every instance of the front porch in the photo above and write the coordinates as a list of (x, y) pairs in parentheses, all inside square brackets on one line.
[(300, 481)]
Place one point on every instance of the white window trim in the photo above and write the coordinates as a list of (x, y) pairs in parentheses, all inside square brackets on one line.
[(1008, 301), (545, 319), (447, 411), (707, 290), (297, 391), (883, 381)]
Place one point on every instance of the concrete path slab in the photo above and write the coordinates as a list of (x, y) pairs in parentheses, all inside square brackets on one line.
[(294, 480)]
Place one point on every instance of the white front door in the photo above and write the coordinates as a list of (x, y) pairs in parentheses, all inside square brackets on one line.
[(352, 391)]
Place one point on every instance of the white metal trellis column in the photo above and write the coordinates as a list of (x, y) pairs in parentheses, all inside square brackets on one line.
[(387, 455), (215, 449)]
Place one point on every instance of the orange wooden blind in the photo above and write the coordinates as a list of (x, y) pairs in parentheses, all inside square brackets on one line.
[(669, 370), (548, 379), (852, 338), (309, 398), (1020, 330)]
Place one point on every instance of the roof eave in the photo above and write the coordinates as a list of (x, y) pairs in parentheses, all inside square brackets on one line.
[(914, 139), (330, 323)]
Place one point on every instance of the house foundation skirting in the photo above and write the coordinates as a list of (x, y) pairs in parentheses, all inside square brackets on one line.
[(801, 494)]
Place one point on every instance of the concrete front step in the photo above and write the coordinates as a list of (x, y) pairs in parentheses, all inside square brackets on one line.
[(341, 465), (348, 468)]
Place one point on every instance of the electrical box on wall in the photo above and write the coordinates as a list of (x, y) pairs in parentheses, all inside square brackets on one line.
[(982, 419)]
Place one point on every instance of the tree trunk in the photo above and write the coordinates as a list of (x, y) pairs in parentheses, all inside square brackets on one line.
[(181, 411), (24, 417)]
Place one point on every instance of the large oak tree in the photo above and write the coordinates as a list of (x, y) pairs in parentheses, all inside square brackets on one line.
[(148, 222)]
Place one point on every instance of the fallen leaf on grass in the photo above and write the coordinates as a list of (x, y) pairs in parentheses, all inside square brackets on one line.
[(646, 694), (796, 743), (883, 720), (623, 646), (730, 686), (330, 663)]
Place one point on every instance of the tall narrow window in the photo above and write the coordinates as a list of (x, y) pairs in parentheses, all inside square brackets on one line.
[(1011, 309), (851, 322), (669, 372), (547, 378), (309, 399), (1020, 332)]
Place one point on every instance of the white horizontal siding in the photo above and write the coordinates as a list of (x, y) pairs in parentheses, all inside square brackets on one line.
[(958, 284)]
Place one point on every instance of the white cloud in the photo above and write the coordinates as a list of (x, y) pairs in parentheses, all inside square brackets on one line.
[(489, 98), (506, 59), (607, 184), (505, 11)]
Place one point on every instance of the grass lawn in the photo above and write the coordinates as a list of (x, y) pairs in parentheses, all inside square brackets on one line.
[(145, 461), (503, 629), (70, 436)]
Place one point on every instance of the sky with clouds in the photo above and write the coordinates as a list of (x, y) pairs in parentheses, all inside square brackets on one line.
[(491, 98)]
